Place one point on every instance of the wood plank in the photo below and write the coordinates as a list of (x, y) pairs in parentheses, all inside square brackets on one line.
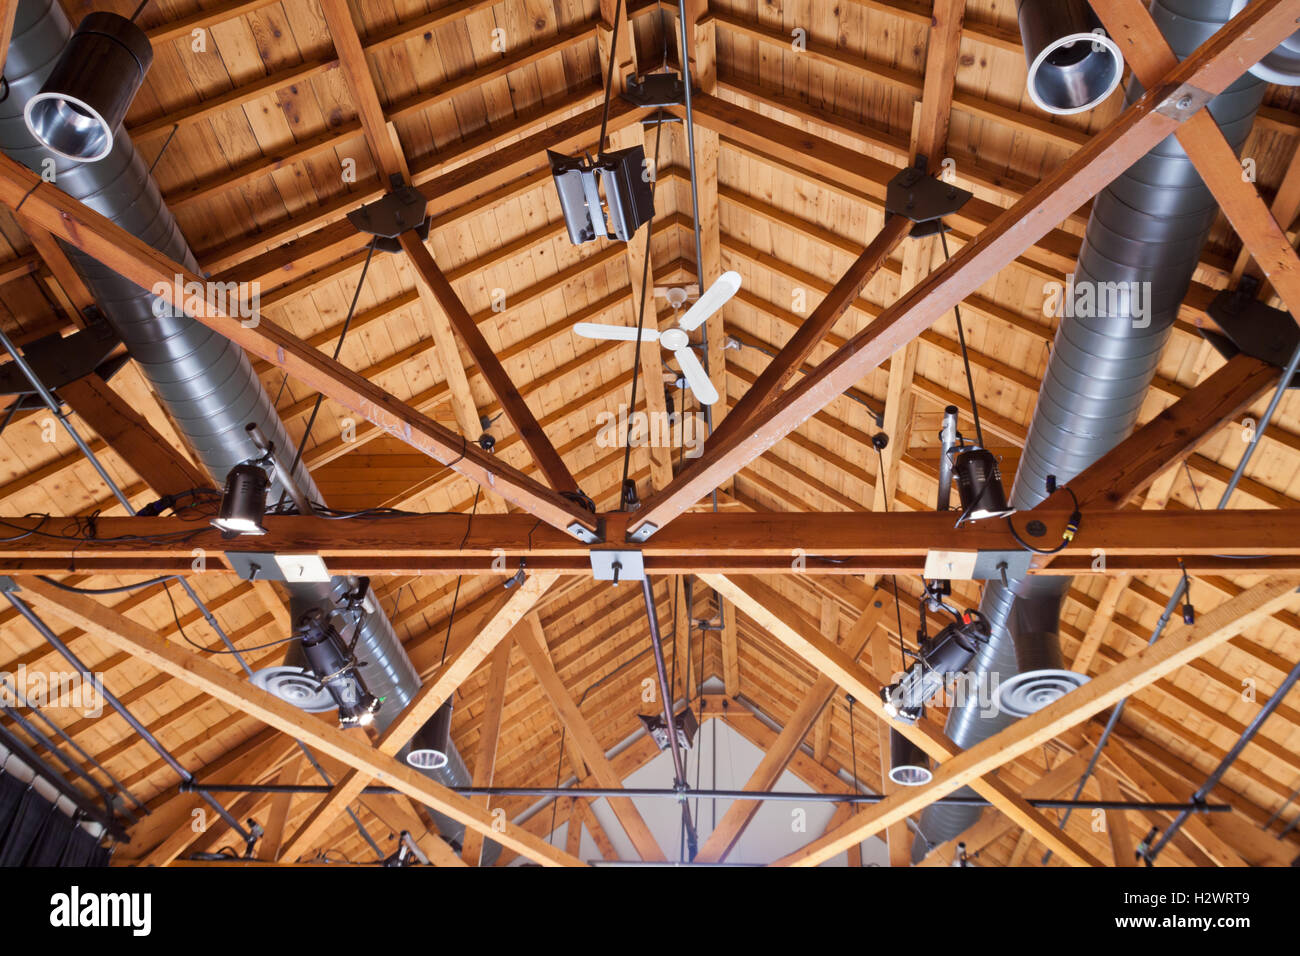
[(494, 695)]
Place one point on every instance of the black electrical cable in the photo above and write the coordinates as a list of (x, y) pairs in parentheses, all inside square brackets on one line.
[(213, 650), (338, 348), (609, 76), (1071, 528), (898, 611), (965, 357), (640, 322), (120, 589)]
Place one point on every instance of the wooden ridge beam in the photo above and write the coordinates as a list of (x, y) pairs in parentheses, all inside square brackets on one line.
[(1214, 65)]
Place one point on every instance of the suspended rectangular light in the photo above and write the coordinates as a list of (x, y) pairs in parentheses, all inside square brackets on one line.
[(627, 200), (685, 723)]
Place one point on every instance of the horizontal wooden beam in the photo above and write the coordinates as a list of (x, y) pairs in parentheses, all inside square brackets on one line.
[(770, 543)]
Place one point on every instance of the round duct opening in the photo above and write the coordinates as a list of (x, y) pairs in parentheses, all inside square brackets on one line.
[(1282, 66), (909, 765), (1073, 64), (297, 686), (431, 745), (1031, 691), (85, 99)]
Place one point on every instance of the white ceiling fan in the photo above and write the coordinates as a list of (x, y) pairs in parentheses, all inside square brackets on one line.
[(677, 339)]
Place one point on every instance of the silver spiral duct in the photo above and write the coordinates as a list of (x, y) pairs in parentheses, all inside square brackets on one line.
[(1148, 226), (206, 383)]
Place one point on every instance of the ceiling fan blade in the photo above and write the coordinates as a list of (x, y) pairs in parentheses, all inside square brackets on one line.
[(619, 333), (696, 377), (713, 299)]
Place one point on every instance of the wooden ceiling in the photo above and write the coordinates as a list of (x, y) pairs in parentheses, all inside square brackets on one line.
[(263, 139)]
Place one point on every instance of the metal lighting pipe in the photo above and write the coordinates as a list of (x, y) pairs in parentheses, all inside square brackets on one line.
[(782, 796), (38, 766), (64, 759), (1287, 375), (1228, 759), (46, 632), (63, 734), (665, 694)]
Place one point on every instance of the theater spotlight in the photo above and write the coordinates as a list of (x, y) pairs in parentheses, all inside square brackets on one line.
[(945, 655), (244, 501), (335, 666), (85, 98), (979, 485)]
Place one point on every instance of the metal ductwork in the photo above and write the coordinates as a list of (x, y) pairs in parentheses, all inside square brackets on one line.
[(1073, 64), (1148, 226), (206, 383)]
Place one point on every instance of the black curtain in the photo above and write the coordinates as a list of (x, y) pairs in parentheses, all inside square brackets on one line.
[(34, 832)]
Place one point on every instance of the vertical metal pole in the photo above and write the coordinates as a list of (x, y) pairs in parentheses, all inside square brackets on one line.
[(666, 694)]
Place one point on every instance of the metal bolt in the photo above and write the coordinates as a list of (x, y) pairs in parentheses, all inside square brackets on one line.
[(1185, 102)]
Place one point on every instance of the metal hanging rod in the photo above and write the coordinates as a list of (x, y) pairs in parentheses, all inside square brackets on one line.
[(785, 796)]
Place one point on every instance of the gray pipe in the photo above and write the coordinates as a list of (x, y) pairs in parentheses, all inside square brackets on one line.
[(1148, 226), (206, 383)]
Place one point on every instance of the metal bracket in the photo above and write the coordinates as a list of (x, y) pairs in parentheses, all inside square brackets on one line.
[(584, 535), (402, 209), (57, 360), (8, 585), (1248, 325), (655, 90), (255, 565), (922, 198), (643, 533), (1183, 102), (613, 564)]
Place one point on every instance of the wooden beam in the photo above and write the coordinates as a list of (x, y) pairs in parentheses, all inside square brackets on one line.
[(494, 698), (766, 608), (1211, 68), (532, 642), (899, 837), (796, 350), (1117, 826), (130, 435), (73, 222), (534, 437), (829, 625), (1168, 438), (1148, 54), (1175, 649), (498, 622), (278, 817), (127, 635), (732, 826), (730, 541)]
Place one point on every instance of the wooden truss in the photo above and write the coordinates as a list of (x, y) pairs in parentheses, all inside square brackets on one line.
[(723, 550)]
